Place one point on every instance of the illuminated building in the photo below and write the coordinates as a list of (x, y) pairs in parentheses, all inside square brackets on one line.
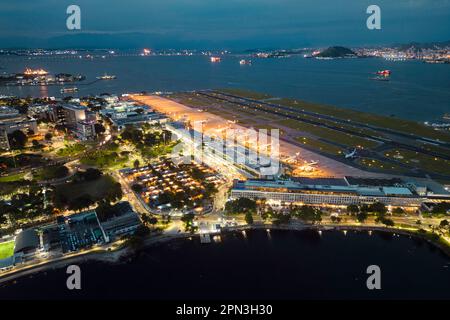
[(35, 72), (12, 121), (327, 192)]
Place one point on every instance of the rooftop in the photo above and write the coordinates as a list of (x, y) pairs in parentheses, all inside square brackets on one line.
[(74, 107), (27, 240), (308, 185), (6, 111)]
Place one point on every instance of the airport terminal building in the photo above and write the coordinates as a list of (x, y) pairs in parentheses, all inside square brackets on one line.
[(330, 191)]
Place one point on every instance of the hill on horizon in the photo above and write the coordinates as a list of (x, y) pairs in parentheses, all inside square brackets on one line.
[(336, 52)]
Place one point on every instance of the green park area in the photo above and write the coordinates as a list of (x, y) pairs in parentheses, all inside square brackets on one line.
[(12, 177), (6, 249), (50, 173), (79, 194), (71, 150), (11, 187), (110, 157), (106, 159), (20, 160)]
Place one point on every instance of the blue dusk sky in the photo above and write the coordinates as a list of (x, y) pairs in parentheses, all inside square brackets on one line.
[(230, 24)]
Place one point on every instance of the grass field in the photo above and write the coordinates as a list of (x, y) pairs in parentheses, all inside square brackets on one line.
[(393, 123), (320, 145), (6, 249), (246, 93), (192, 101), (380, 165), (329, 134), (105, 159), (71, 150), (368, 118), (420, 160), (12, 177)]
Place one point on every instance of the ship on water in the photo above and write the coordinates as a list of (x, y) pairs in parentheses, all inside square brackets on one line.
[(215, 59), (245, 62), (385, 73), (382, 75), (106, 77), (69, 90)]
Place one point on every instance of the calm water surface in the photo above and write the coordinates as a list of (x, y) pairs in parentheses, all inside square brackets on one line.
[(260, 265), (417, 91)]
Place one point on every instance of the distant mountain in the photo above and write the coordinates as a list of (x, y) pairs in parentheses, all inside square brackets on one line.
[(136, 40), (336, 52), (120, 41), (99, 41)]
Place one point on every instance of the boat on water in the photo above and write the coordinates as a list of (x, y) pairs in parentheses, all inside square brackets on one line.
[(446, 117), (380, 78), (69, 90), (245, 62), (215, 59), (382, 75), (106, 77), (384, 72)]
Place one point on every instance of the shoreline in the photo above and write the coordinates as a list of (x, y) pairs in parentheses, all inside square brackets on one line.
[(118, 255)]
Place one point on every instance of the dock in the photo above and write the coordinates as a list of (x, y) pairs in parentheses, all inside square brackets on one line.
[(205, 238)]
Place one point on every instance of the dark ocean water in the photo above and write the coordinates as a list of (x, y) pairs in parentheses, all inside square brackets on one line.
[(417, 91), (279, 265)]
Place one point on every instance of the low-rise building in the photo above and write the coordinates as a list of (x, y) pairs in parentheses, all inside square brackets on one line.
[(27, 243), (121, 221), (86, 130), (128, 113), (74, 114), (13, 123), (4, 142), (318, 193), (8, 112)]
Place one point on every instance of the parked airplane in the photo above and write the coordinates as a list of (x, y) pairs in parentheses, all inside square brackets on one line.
[(351, 154)]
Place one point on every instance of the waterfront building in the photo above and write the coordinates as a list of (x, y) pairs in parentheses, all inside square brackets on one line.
[(79, 231), (328, 192), (123, 221), (27, 243)]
